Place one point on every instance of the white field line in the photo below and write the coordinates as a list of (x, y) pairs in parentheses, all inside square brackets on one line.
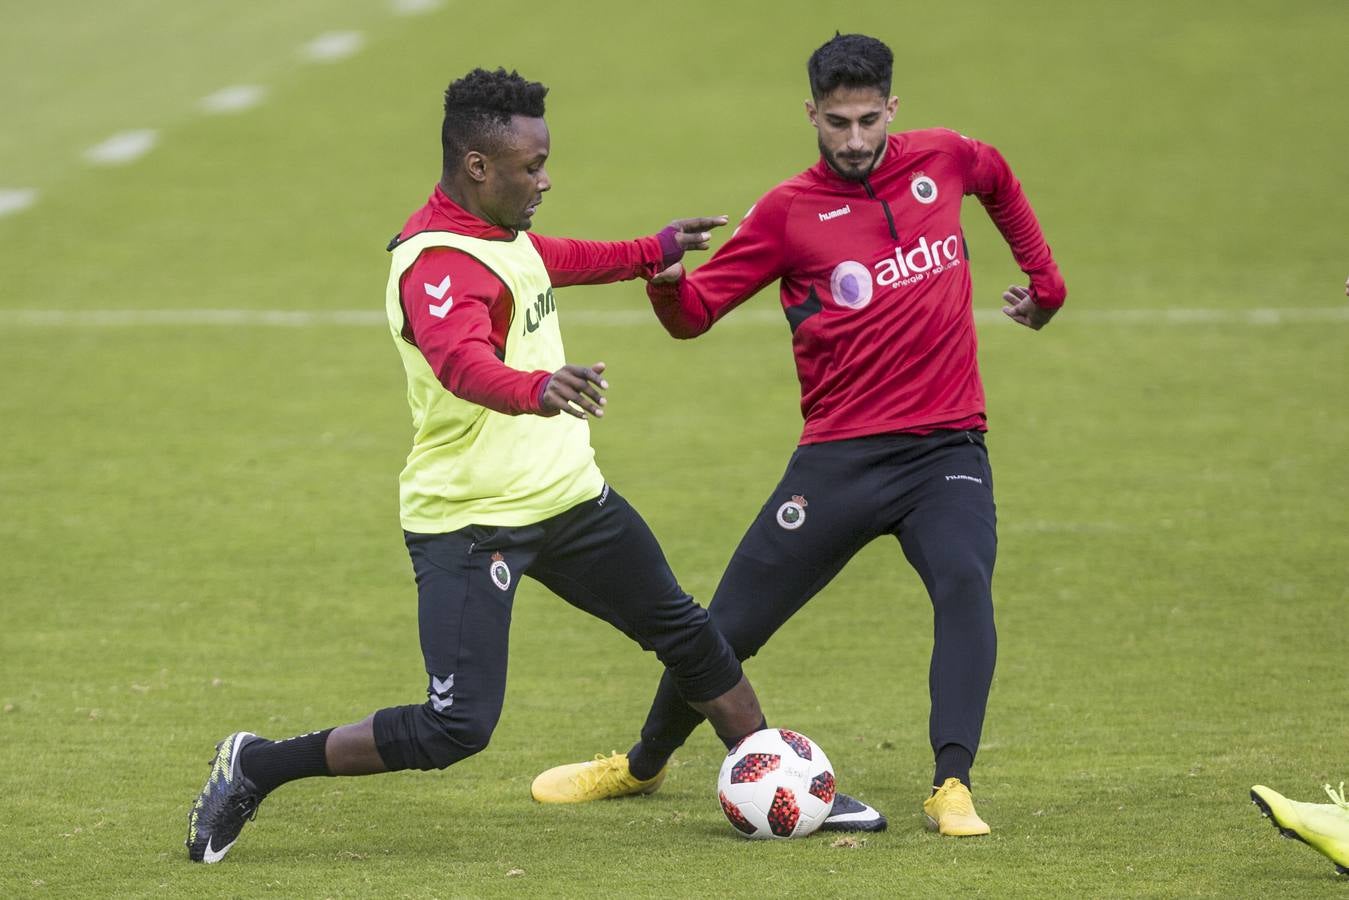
[(415, 7), (333, 46), (275, 318), (13, 200), (233, 99), (122, 148), (128, 146)]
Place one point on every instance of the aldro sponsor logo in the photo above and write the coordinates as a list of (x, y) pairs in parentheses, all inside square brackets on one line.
[(852, 284), (543, 305)]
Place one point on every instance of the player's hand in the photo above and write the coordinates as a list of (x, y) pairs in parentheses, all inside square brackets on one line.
[(670, 275), (575, 390), (693, 234), (1022, 308)]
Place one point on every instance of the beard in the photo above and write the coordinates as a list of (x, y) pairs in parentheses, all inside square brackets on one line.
[(853, 168)]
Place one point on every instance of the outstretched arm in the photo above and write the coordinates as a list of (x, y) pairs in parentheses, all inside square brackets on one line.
[(570, 261), (752, 258)]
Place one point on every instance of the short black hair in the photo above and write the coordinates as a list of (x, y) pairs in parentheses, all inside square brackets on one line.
[(850, 60), (480, 105)]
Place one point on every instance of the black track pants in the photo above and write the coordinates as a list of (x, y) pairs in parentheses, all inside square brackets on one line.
[(932, 492)]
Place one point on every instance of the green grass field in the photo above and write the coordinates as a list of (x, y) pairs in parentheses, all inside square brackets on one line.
[(199, 529)]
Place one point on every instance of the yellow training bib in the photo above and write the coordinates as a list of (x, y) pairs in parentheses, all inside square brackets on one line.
[(470, 465)]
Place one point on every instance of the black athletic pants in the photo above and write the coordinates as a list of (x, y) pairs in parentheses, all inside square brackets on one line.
[(932, 492), (599, 556)]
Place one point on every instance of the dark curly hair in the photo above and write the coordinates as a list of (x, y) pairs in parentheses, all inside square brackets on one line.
[(850, 60), (479, 106)]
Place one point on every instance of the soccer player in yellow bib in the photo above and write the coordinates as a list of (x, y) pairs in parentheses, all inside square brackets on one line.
[(501, 480)]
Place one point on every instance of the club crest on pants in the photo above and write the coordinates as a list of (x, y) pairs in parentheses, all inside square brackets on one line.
[(792, 514), (500, 572)]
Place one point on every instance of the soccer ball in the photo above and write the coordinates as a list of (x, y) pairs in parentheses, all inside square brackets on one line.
[(776, 783)]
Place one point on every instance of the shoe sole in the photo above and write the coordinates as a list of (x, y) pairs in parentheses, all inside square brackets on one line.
[(1268, 813), (867, 825), (933, 826), (1289, 833)]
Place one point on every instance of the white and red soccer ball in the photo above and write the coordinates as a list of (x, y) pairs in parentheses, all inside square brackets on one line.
[(776, 783)]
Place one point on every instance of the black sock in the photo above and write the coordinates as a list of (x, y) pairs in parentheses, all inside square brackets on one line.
[(644, 763), (953, 761), (731, 742), (270, 764)]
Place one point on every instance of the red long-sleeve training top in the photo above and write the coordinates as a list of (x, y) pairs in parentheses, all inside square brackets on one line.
[(875, 283), (464, 342)]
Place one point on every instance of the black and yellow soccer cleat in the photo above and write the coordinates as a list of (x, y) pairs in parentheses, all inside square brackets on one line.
[(226, 802)]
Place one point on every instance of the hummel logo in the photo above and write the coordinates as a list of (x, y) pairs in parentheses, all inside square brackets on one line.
[(544, 305), (963, 478), (441, 693), (438, 291), (834, 214)]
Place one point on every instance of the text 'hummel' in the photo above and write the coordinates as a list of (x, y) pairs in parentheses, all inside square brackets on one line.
[(543, 305), (834, 214)]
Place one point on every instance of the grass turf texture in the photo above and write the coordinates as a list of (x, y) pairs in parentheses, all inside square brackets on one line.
[(200, 534)]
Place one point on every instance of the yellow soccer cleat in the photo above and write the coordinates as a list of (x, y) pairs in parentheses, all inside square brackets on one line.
[(950, 811), (601, 778), (1322, 826)]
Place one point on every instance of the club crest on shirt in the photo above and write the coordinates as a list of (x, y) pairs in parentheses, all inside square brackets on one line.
[(500, 572), (792, 514), (924, 189)]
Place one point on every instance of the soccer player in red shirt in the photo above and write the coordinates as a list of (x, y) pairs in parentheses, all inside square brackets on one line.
[(872, 266)]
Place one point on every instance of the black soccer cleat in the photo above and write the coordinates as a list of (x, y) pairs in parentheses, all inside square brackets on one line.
[(851, 814), (226, 802)]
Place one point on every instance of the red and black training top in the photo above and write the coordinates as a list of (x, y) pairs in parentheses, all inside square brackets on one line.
[(874, 279)]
